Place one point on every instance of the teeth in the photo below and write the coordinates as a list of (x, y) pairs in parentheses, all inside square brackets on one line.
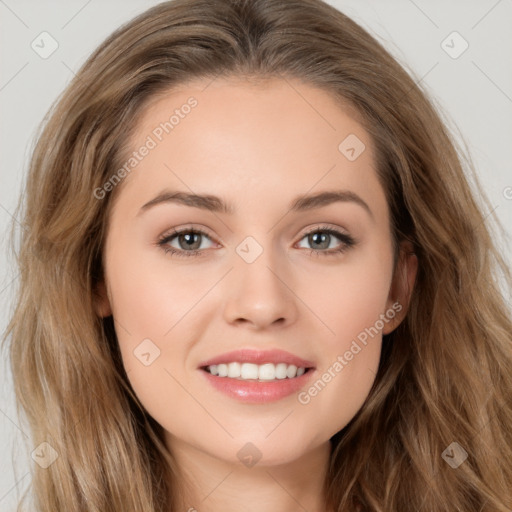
[(234, 370), (250, 371)]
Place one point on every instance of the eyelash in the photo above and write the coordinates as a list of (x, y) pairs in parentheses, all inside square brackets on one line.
[(347, 242)]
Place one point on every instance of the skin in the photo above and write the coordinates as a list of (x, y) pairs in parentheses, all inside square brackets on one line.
[(258, 146)]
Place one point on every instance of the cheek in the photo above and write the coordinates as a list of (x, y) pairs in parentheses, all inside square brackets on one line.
[(150, 297), (350, 301), (150, 306), (350, 298)]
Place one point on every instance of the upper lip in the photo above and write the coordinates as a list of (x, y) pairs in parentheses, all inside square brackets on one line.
[(247, 355)]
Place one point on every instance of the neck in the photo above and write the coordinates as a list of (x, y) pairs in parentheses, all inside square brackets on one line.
[(209, 484)]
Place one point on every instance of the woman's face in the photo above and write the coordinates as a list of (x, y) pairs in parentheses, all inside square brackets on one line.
[(268, 274)]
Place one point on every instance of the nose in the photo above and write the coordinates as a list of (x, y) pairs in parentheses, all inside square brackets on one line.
[(260, 294)]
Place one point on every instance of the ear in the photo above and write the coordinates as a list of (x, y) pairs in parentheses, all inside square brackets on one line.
[(101, 300), (402, 284)]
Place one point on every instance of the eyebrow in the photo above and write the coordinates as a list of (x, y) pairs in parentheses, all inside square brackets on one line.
[(216, 204)]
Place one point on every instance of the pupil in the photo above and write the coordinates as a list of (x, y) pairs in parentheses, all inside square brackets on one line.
[(189, 238), (323, 237)]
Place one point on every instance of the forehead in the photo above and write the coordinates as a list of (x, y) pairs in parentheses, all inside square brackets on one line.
[(251, 138)]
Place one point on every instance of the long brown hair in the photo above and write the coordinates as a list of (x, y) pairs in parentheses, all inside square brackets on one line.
[(445, 373)]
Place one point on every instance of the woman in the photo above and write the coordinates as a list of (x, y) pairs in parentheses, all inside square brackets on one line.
[(253, 371)]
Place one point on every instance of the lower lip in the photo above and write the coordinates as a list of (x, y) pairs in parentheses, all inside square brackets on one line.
[(252, 391)]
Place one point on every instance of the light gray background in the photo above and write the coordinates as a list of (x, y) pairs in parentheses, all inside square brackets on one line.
[(474, 92)]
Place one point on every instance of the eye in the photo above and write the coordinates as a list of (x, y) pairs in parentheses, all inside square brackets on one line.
[(322, 237), (189, 241)]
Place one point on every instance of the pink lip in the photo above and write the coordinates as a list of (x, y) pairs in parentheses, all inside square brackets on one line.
[(255, 392), (247, 355)]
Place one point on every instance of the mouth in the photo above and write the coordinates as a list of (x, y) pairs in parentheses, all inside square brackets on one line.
[(257, 377)]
